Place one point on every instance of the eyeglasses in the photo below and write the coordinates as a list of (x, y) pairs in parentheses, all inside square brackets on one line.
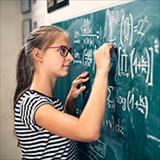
[(63, 50)]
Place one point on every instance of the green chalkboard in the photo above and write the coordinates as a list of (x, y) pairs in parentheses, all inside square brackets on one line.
[(131, 128)]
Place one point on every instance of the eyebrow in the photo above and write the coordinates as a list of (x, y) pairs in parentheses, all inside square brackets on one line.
[(58, 46)]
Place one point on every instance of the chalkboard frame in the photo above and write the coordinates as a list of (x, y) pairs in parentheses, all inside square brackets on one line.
[(54, 4)]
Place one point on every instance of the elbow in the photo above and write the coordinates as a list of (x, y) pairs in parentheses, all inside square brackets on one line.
[(91, 136), (94, 137), (89, 132)]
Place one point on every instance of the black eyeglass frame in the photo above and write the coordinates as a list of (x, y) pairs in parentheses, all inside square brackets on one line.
[(63, 50)]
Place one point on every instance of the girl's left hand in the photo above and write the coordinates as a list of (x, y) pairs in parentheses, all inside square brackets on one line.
[(76, 88)]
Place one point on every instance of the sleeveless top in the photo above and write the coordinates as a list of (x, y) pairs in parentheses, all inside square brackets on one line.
[(35, 141)]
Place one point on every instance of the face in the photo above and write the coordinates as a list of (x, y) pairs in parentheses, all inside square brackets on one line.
[(54, 63)]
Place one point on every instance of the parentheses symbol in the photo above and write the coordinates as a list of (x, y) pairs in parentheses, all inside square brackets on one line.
[(131, 19), (148, 60), (118, 65), (150, 67), (121, 31), (146, 114), (131, 62), (128, 99)]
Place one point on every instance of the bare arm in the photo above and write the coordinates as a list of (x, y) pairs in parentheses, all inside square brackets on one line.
[(87, 127), (93, 114)]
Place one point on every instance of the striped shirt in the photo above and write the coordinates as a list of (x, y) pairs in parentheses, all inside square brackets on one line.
[(35, 141)]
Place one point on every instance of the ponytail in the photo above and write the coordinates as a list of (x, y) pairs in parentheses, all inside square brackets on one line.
[(24, 73)]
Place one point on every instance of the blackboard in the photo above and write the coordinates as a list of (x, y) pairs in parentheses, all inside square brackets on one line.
[(131, 128)]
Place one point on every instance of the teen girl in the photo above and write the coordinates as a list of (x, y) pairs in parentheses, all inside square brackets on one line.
[(44, 127)]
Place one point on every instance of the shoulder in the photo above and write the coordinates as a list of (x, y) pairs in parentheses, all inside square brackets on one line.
[(32, 98)]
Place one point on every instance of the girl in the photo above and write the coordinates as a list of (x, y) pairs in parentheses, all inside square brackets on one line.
[(43, 127)]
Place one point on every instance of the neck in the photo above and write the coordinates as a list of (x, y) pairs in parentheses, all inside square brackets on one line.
[(43, 84)]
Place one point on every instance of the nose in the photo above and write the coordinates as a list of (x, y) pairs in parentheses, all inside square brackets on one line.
[(70, 57)]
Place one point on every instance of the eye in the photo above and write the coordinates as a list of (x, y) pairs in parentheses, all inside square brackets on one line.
[(64, 50)]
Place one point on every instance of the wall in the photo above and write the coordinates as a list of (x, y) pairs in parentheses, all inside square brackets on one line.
[(10, 41), (75, 8)]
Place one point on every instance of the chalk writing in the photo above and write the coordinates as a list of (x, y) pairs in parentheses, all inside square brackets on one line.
[(88, 57), (110, 99), (128, 27), (126, 30), (154, 138), (94, 156), (156, 45), (142, 64), (112, 20), (136, 63), (130, 102), (91, 151), (98, 147), (87, 41), (123, 63), (140, 27), (115, 125), (86, 27)]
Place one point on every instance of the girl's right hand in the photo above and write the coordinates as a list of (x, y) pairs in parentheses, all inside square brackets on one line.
[(103, 58)]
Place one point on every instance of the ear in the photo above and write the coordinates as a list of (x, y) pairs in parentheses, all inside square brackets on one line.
[(37, 55)]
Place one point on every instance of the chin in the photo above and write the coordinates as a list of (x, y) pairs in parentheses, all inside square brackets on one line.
[(63, 74)]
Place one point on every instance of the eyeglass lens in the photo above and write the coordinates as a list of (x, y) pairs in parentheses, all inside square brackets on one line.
[(64, 51)]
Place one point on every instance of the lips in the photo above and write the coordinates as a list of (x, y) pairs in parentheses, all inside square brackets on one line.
[(67, 66)]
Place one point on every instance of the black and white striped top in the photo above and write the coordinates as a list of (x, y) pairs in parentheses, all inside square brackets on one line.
[(37, 142)]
